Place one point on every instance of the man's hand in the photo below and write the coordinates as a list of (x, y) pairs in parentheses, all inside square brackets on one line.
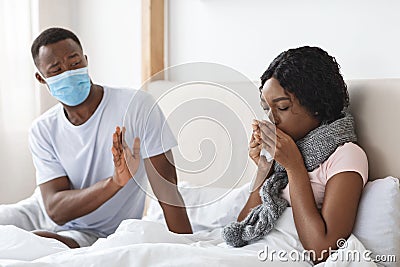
[(126, 164)]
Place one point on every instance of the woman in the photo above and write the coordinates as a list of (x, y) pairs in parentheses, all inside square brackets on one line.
[(317, 164)]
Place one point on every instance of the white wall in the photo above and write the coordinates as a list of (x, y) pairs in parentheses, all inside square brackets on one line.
[(248, 35), (110, 32)]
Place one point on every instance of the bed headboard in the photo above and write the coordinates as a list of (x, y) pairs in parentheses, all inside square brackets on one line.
[(375, 105)]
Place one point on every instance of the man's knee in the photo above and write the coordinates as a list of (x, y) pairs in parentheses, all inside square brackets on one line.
[(66, 240)]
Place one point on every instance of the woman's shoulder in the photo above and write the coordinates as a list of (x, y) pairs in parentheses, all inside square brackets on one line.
[(351, 151), (348, 157), (348, 154), (350, 147)]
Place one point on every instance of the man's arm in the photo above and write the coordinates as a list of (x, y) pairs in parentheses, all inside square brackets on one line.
[(161, 173), (64, 204), (163, 180)]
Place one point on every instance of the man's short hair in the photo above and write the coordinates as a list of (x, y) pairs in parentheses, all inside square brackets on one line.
[(51, 36)]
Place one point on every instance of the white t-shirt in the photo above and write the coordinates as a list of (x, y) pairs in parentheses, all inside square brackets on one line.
[(83, 153)]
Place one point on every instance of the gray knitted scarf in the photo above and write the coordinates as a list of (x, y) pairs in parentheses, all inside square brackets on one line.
[(315, 147)]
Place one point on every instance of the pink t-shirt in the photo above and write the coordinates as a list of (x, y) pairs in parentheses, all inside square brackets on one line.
[(348, 157)]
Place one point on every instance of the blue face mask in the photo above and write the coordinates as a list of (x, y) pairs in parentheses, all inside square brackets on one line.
[(71, 87)]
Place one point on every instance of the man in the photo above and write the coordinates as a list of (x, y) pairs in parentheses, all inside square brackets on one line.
[(82, 192)]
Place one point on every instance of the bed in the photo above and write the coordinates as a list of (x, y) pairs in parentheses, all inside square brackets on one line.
[(215, 202)]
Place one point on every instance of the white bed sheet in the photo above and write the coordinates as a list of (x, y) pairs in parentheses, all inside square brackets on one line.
[(146, 243)]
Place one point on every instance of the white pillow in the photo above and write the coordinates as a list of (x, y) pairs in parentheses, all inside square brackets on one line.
[(207, 207), (378, 219)]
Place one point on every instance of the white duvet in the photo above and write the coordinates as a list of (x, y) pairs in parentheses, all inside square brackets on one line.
[(147, 243)]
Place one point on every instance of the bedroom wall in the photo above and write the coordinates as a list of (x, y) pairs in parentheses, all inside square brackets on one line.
[(247, 35), (111, 35)]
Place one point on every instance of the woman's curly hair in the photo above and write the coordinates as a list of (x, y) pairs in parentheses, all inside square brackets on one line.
[(314, 77)]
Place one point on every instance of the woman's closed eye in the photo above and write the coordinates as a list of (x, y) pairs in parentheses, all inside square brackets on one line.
[(283, 108)]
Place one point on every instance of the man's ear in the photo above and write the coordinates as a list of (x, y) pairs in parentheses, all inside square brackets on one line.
[(39, 78)]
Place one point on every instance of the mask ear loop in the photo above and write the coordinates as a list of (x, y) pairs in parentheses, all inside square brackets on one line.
[(44, 79)]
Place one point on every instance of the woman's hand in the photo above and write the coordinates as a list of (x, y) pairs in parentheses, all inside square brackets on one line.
[(263, 166), (126, 164), (264, 169), (281, 145), (255, 144)]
